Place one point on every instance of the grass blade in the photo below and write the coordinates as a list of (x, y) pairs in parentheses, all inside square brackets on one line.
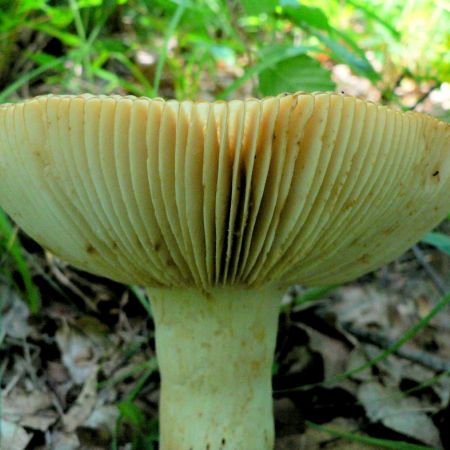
[(28, 76), (439, 240), (173, 24), (14, 248), (380, 443)]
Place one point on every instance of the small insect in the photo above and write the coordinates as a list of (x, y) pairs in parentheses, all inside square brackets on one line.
[(436, 173)]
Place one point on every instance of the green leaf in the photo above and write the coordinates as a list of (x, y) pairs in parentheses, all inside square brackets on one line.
[(315, 22), (88, 3), (14, 248), (300, 73), (72, 40), (60, 17), (267, 58), (41, 58), (255, 7), (371, 14), (314, 17), (29, 6), (438, 240), (130, 412), (359, 64)]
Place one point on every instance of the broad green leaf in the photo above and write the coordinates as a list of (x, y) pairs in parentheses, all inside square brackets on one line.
[(267, 59), (359, 64), (438, 240), (316, 23), (300, 73), (255, 7), (60, 17), (28, 6), (371, 14), (312, 16)]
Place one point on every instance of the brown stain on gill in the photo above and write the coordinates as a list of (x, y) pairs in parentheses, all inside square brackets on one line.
[(90, 249)]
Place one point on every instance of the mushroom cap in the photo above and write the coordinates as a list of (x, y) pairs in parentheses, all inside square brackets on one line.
[(302, 188)]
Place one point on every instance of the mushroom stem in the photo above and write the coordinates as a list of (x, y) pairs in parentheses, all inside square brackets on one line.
[(215, 353)]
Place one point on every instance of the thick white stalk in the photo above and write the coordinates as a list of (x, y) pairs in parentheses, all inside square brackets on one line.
[(215, 353)]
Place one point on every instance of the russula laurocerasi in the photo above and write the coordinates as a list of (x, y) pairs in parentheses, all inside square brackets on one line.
[(217, 208)]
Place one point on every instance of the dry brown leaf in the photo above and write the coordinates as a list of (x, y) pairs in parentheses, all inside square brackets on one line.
[(363, 306), (15, 319), (84, 404), (31, 409), (78, 352), (405, 415), (103, 416), (19, 403), (41, 422), (13, 436), (357, 358), (335, 353), (66, 441)]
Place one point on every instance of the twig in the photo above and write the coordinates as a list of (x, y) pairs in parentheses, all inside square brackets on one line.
[(420, 256), (65, 281), (420, 357)]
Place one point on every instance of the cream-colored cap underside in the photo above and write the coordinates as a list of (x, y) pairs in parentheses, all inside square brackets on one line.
[(309, 188)]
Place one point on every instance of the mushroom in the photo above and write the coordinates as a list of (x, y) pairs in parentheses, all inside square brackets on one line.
[(216, 208)]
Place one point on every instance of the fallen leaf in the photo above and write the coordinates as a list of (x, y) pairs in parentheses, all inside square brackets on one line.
[(19, 403), (15, 319), (84, 403), (41, 422), (103, 416), (334, 353), (405, 415), (65, 441), (13, 436), (29, 409), (78, 352), (358, 358)]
